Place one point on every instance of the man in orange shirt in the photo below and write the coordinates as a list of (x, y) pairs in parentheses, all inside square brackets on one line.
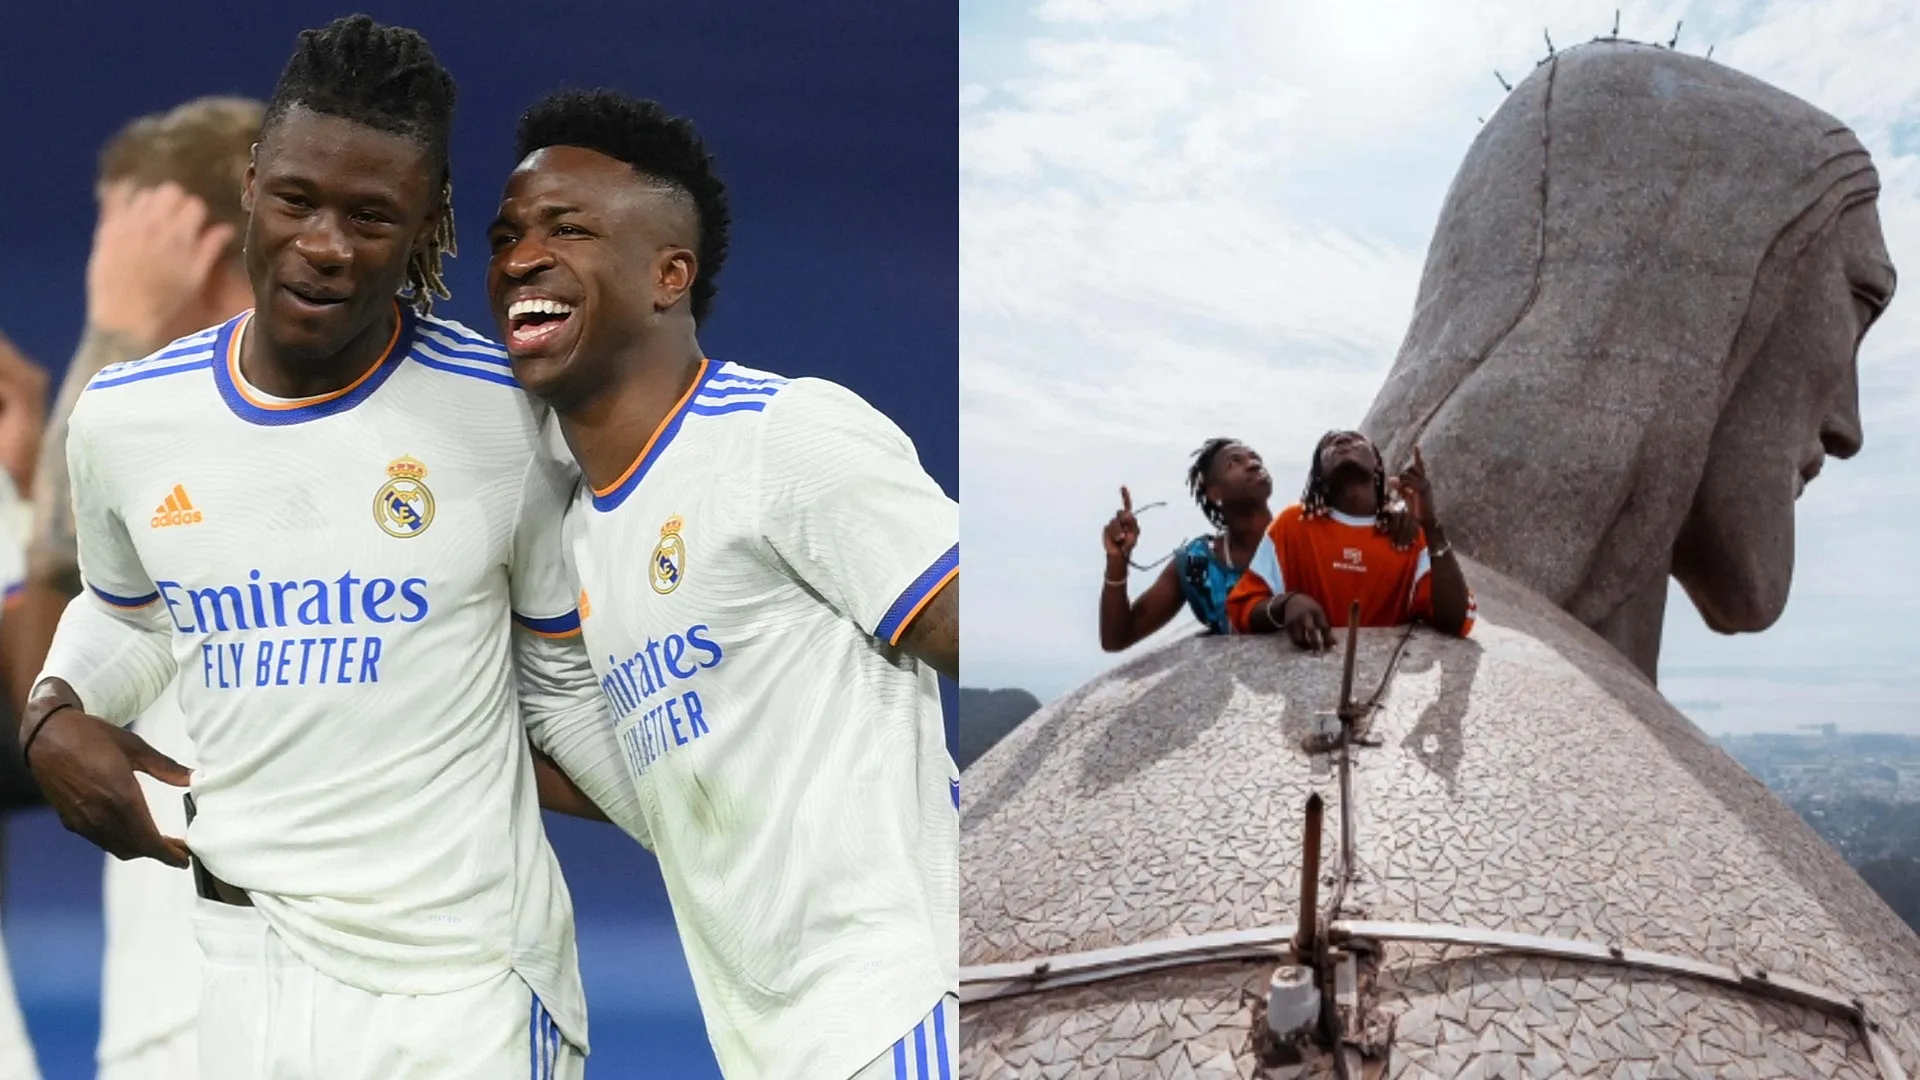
[(1331, 549)]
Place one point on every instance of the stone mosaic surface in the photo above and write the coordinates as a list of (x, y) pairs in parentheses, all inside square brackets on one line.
[(1456, 1013), (1526, 780)]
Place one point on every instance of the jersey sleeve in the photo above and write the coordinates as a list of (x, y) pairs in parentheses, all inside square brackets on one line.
[(539, 584), (560, 702), (109, 563), (1262, 581), (118, 663), (843, 502), (567, 719)]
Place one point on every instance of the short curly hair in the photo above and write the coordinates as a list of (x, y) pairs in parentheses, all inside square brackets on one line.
[(662, 149)]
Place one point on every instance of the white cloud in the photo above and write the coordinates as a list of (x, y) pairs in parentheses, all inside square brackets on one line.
[(1180, 220), (1099, 11)]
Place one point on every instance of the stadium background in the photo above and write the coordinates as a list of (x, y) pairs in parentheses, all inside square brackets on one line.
[(834, 128)]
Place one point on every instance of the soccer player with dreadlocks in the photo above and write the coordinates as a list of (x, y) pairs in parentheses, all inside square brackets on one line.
[(769, 584), (335, 520), (1332, 548)]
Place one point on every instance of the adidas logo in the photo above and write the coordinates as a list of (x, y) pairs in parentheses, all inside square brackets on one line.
[(177, 510)]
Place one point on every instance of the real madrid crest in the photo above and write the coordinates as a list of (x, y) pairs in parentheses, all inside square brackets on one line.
[(668, 566), (404, 506)]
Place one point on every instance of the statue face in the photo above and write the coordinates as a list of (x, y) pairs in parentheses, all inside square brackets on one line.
[(1797, 405)]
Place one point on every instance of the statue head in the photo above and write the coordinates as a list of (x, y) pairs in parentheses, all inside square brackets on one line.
[(1635, 336)]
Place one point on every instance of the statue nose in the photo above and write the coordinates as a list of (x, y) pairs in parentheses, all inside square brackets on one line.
[(1840, 435)]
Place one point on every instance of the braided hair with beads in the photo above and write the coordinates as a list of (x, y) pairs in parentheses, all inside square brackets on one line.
[(387, 78)]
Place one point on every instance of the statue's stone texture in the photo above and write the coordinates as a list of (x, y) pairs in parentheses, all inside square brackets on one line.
[(1527, 780), (1635, 335)]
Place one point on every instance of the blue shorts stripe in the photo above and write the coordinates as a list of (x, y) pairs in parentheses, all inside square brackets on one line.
[(940, 1039), (533, 1039), (920, 1047), (900, 1060)]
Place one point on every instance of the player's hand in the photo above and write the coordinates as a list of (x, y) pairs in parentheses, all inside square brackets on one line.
[(23, 413), (1307, 625), (1123, 532), (85, 766), (1412, 484), (153, 251), (1402, 528)]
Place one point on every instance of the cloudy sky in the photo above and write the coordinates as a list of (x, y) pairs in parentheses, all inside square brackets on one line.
[(1184, 218)]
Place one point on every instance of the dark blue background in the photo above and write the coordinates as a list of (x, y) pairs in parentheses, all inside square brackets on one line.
[(834, 127)]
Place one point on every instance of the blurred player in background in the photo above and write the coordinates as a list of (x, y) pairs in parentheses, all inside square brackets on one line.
[(23, 406), (23, 391), (334, 522), (166, 262), (769, 583)]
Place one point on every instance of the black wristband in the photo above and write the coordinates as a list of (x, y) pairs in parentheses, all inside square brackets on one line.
[(40, 727)]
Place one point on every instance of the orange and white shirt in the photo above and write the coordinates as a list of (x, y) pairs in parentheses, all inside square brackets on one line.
[(1337, 560)]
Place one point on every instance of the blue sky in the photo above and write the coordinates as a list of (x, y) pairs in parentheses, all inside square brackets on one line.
[(1183, 218)]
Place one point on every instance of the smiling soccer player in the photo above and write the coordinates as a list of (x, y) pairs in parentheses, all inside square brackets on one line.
[(328, 515), (769, 584)]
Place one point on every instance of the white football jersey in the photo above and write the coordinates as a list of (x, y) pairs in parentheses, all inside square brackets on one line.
[(339, 577), (743, 587)]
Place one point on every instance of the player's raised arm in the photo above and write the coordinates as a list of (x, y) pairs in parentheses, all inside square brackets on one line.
[(560, 702), (84, 763), (843, 501)]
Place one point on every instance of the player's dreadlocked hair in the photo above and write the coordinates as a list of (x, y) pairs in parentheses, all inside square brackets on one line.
[(1197, 478), (664, 150), (1315, 500), (387, 78)]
